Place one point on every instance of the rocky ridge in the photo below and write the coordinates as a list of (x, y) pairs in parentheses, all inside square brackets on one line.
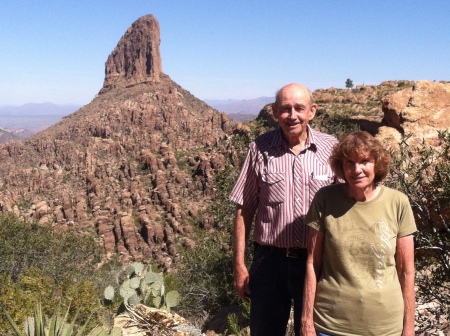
[(394, 109), (137, 163), (419, 112)]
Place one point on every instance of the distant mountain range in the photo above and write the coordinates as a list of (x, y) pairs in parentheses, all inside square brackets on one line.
[(240, 110), (20, 122)]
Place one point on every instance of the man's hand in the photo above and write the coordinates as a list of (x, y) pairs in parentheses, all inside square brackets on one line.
[(408, 331), (307, 328), (242, 225), (241, 282)]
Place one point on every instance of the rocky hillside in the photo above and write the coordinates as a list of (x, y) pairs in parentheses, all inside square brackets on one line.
[(136, 164), (6, 136)]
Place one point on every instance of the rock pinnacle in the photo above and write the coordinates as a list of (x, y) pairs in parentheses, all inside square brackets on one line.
[(136, 58)]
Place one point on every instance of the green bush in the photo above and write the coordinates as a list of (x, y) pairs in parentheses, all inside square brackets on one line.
[(206, 277), (57, 325), (57, 254), (39, 263)]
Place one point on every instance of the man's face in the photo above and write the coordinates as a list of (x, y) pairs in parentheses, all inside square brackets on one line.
[(294, 110)]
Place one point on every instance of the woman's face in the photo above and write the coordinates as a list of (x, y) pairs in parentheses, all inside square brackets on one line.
[(359, 170)]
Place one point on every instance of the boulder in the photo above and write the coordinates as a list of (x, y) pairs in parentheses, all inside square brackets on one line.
[(419, 112)]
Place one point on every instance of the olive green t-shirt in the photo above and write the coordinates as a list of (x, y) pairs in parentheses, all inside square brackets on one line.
[(359, 292)]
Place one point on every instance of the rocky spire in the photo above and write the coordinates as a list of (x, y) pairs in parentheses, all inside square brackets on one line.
[(136, 58)]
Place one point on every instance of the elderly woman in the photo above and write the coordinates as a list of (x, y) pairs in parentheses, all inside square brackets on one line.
[(360, 267)]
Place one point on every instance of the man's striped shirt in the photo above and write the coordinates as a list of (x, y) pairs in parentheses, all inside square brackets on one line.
[(280, 185)]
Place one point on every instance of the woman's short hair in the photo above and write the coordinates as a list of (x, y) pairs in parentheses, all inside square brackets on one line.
[(360, 142)]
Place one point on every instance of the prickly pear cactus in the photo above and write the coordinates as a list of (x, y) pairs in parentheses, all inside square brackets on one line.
[(142, 285), (109, 293), (138, 267), (172, 299)]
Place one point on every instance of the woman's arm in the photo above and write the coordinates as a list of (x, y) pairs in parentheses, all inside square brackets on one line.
[(313, 271), (404, 258)]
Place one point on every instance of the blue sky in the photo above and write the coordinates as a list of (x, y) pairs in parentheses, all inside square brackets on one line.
[(55, 50)]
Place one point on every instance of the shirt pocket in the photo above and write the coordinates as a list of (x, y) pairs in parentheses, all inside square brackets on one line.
[(320, 178), (273, 187)]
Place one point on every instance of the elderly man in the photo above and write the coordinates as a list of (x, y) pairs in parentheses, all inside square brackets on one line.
[(282, 171)]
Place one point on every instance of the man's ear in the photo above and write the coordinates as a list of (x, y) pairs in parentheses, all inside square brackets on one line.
[(275, 110), (312, 111)]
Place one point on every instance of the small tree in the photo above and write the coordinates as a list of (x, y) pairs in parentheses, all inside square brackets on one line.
[(349, 83)]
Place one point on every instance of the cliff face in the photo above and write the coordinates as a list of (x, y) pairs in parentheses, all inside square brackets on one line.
[(137, 164), (136, 59)]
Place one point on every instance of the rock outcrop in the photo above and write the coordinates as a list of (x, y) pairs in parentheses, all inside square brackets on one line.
[(419, 112), (136, 59)]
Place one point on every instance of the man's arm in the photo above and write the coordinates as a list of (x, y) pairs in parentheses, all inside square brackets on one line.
[(313, 271), (404, 258), (242, 225)]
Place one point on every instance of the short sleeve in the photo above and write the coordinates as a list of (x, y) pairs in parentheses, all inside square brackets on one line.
[(314, 217), (406, 221), (245, 190)]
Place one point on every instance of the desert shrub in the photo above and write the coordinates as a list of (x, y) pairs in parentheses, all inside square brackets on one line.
[(405, 84), (19, 297), (57, 324), (39, 263), (206, 283), (57, 254), (423, 174)]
